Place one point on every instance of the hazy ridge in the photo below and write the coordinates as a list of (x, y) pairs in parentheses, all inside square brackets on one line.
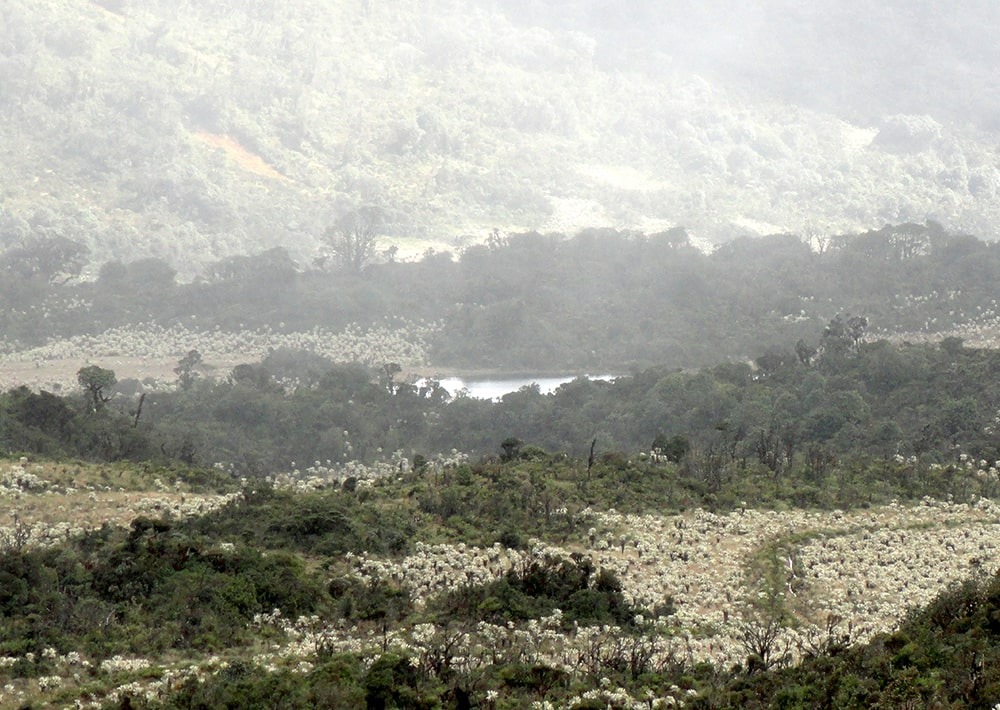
[(193, 132)]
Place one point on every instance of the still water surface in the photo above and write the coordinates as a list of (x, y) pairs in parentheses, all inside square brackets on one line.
[(497, 387)]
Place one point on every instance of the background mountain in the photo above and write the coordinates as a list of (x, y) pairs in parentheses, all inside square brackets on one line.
[(195, 131)]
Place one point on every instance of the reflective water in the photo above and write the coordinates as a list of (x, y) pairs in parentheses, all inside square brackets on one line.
[(497, 387)]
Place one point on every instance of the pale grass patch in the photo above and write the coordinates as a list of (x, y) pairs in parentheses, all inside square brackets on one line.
[(81, 496), (60, 374)]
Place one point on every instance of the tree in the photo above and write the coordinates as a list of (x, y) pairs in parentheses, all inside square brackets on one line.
[(352, 238), (274, 266), (388, 376), (185, 369), (805, 352), (771, 362), (672, 448), (837, 338), (44, 411), (95, 382), (53, 260), (511, 447), (760, 636), (255, 377), (952, 346), (856, 326), (835, 329)]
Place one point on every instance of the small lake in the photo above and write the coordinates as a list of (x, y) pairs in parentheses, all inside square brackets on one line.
[(497, 387)]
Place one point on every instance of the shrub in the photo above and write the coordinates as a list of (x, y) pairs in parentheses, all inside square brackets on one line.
[(539, 587)]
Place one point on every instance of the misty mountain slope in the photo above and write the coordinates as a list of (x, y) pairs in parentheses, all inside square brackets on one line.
[(860, 60), (195, 131)]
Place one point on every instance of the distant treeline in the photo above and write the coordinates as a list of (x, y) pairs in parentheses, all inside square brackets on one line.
[(600, 300), (797, 413)]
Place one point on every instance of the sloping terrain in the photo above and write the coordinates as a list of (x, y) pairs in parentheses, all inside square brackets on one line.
[(196, 131)]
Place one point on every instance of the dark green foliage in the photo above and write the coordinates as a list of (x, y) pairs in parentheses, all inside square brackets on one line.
[(538, 679), (297, 365), (337, 682), (518, 306), (89, 428), (796, 397), (340, 681), (40, 423), (673, 448), (325, 523), (392, 682), (43, 411), (537, 588), (151, 587), (242, 686), (381, 601), (511, 447), (879, 399), (163, 585), (945, 655), (805, 434)]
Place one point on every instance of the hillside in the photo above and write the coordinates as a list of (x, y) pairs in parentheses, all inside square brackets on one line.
[(192, 132), (233, 474), (859, 60), (317, 593)]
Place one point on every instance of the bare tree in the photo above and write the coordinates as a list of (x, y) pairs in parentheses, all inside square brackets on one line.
[(760, 635), (15, 537), (352, 239)]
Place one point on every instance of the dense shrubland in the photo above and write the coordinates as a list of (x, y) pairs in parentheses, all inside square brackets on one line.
[(370, 593), (601, 300), (943, 654), (788, 425), (443, 576), (144, 590), (330, 532)]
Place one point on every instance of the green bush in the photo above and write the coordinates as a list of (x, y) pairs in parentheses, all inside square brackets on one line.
[(241, 685), (536, 589), (151, 586)]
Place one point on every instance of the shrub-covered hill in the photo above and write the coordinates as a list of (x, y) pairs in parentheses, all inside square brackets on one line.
[(943, 655), (757, 538), (462, 585), (195, 131), (855, 59)]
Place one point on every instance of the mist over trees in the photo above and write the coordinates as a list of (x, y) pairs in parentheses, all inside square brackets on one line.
[(352, 240), (219, 131), (599, 300), (828, 59), (831, 326)]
